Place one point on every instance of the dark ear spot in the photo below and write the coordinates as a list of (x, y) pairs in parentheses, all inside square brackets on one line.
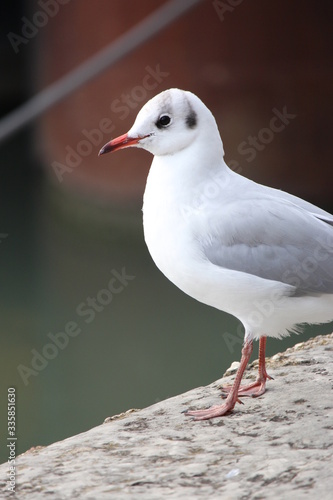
[(191, 119)]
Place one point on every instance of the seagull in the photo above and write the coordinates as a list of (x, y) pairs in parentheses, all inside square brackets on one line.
[(255, 252)]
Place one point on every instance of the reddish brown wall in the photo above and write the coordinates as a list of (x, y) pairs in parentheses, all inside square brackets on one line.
[(254, 57)]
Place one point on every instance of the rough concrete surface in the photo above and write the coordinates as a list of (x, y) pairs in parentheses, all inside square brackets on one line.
[(273, 447)]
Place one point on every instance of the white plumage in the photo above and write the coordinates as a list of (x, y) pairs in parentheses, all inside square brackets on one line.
[(260, 254)]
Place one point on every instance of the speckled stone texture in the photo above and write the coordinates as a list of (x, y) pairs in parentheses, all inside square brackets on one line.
[(277, 446)]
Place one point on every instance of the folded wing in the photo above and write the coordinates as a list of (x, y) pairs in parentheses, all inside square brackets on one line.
[(274, 239)]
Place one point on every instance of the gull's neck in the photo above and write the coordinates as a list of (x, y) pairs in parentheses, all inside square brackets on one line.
[(191, 165)]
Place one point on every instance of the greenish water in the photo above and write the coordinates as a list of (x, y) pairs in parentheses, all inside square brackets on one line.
[(127, 348)]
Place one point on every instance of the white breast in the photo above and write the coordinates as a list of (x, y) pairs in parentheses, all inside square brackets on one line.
[(165, 229), (174, 237)]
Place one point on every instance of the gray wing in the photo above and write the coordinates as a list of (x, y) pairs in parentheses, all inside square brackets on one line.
[(309, 207), (275, 240)]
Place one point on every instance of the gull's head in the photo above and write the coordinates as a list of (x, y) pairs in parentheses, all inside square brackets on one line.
[(170, 122)]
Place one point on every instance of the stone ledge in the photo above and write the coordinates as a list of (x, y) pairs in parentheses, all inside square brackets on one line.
[(276, 446)]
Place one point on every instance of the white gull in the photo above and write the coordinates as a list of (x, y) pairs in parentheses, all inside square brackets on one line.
[(257, 253)]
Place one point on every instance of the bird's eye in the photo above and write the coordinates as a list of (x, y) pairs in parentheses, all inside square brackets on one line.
[(163, 121)]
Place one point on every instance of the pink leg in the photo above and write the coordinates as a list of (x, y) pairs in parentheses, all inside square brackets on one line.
[(218, 411), (258, 387)]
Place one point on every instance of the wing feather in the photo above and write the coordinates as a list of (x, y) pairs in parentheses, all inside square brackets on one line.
[(276, 240)]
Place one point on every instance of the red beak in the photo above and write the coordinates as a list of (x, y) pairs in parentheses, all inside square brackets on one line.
[(121, 142)]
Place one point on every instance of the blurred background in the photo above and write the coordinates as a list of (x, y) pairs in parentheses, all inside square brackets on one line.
[(69, 218)]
